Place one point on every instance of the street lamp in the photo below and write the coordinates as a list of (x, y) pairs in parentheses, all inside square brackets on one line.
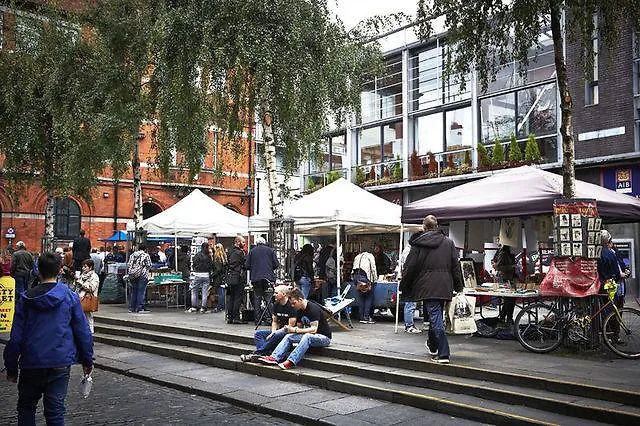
[(257, 196)]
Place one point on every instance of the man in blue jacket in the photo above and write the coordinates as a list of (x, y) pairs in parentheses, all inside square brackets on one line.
[(262, 263), (49, 334)]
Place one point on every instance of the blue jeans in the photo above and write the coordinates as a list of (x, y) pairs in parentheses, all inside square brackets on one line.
[(265, 346), (437, 339), (305, 285), (305, 341), (138, 293), (199, 283), (365, 303), (220, 303), (409, 310), (22, 281), (51, 385)]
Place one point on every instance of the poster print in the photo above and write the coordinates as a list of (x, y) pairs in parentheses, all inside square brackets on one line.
[(598, 224), (468, 273), (591, 251), (591, 224), (576, 249), (563, 220), (577, 234), (598, 251), (591, 238), (565, 249), (565, 234), (576, 220), (597, 237)]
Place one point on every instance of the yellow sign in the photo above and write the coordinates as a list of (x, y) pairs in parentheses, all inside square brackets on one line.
[(7, 303)]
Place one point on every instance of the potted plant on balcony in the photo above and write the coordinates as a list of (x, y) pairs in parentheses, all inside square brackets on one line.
[(532, 151), (515, 153), (498, 155), (360, 176), (484, 160), (416, 165), (397, 170), (334, 175)]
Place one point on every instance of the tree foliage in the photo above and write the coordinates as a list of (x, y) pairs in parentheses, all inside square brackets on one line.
[(497, 158), (515, 153)]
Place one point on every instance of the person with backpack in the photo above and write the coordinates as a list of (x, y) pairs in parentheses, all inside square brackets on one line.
[(21, 265), (303, 269), (364, 275), (201, 268), (138, 271)]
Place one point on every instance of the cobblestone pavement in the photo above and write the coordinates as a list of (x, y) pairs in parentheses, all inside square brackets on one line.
[(119, 400)]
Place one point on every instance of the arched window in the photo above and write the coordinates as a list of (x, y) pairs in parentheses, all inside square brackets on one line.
[(150, 209), (67, 219)]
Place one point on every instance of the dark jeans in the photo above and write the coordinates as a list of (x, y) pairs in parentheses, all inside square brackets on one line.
[(22, 283), (261, 289), (138, 293), (236, 292), (51, 385), (436, 339), (365, 303)]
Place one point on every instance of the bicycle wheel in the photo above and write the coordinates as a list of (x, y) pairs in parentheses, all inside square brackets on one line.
[(623, 338), (538, 328)]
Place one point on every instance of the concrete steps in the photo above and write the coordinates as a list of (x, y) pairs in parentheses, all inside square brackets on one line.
[(481, 395)]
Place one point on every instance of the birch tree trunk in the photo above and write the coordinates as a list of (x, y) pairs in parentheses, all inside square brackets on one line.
[(137, 190), (49, 220), (566, 126), (273, 185)]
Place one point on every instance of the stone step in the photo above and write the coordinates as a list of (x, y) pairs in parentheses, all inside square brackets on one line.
[(224, 355), (413, 363)]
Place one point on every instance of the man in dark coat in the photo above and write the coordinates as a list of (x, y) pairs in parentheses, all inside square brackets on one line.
[(261, 262), (236, 280), (431, 273), (21, 266), (81, 250)]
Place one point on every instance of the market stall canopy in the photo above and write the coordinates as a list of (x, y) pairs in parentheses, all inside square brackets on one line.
[(196, 215), (117, 236), (339, 203), (523, 191)]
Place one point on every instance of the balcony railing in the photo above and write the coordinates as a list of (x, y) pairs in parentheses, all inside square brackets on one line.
[(378, 174), (314, 181), (438, 164)]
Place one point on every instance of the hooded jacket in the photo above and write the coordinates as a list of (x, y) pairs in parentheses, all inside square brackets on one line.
[(262, 263), (49, 330), (432, 269)]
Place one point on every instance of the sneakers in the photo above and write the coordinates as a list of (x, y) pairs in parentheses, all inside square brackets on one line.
[(204, 311), (144, 311), (269, 360), (370, 321), (431, 354), (412, 330), (191, 310), (249, 357), (287, 365), (363, 321), (367, 321), (438, 360)]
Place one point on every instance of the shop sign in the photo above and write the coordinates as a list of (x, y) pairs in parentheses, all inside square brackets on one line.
[(10, 234), (7, 303), (621, 180)]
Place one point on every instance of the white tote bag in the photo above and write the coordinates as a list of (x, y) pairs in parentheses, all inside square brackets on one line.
[(460, 315)]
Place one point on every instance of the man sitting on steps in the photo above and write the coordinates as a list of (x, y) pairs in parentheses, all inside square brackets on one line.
[(315, 332), (283, 315)]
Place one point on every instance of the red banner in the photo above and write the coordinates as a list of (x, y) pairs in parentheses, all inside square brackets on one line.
[(571, 278)]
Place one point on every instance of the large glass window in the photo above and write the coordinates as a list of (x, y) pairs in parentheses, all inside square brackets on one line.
[(429, 133), (523, 112), (498, 116), (339, 152), (458, 129), (369, 146), (67, 218), (392, 146), (381, 97)]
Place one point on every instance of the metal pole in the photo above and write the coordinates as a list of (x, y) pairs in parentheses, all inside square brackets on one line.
[(400, 269), (137, 189)]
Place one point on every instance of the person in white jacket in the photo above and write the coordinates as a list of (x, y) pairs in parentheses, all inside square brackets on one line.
[(88, 282), (364, 271)]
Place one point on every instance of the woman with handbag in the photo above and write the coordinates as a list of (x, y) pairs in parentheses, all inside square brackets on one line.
[(219, 274), (87, 287), (364, 275)]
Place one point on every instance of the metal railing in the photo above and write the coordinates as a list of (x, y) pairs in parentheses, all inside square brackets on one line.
[(378, 173), (313, 181)]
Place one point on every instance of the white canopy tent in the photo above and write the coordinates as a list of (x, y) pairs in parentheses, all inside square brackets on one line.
[(341, 203), (197, 215)]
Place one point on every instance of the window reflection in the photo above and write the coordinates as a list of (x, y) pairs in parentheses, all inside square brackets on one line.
[(429, 133), (369, 146), (498, 117)]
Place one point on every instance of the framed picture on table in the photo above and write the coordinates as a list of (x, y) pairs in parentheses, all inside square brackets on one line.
[(468, 273)]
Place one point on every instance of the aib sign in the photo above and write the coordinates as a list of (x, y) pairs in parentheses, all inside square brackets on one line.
[(10, 234), (623, 181)]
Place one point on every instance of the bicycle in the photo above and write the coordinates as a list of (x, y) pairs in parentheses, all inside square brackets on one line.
[(542, 326)]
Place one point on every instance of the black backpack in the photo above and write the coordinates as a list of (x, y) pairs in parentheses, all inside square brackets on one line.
[(297, 270)]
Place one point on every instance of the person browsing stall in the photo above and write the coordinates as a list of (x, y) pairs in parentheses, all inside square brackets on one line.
[(364, 275), (261, 263), (314, 332), (283, 315)]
